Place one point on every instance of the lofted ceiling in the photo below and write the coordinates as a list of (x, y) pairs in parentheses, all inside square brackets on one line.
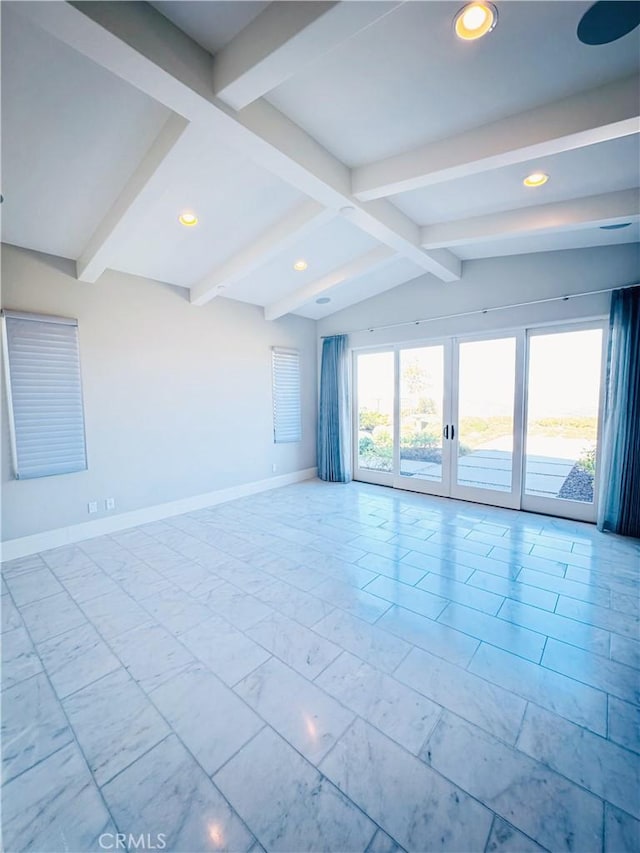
[(362, 137)]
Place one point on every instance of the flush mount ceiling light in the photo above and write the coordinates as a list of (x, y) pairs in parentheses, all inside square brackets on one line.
[(322, 300), (608, 20), (187, 218), (535, 179), (475, 20), (615, 227), (300, 265)]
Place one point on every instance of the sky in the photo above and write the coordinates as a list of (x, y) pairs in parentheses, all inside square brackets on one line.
[(564, 375)]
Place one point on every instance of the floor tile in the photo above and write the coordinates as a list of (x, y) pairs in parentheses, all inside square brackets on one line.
[(475, 699), (624, 723), (621, 831), (463, 593), (76, 658), (54, 806), (299, 647), (115, 613), (229, 653), (564, 586), (11, 618), (33, 586), (287, 804), (166, 793), (114, 722), (407, 799), (505, 838), (10, 568), (236, 606), (565, 696), (603, 767), (602, 617), (383, 843), (434, 637), (559, 627), (366, 641), (438, 565), (514, 557), (209, 718), (515, 590), (358, 602), (410, 597), (151, 655), (33, 726), (497, 632), (545, 806), (403, 714), (51, 616), (309, 718), (176, 610), (299, 605), (616, 678), (19, 658), (393, 569)]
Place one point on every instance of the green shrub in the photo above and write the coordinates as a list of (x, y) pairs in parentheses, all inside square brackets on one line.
[(370, 420)]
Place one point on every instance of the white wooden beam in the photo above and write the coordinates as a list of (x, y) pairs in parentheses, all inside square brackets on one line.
[(96, 256), (353, 269), (141, 46), (283, 39), (308, 216), (572, 215), (601, 114)]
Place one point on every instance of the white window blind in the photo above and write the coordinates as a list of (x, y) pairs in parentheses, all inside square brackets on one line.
[(287, 414), (44, 391)]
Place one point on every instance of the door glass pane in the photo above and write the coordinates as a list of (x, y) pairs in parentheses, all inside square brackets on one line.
[(421, 404), (562, 414), (375, 371), (485, 414)]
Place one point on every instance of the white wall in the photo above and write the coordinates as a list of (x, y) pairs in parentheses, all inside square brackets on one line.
[(177, 398), (486, 284)]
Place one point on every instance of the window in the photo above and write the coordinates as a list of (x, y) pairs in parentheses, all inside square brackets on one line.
[(44, 394), (287, 415)]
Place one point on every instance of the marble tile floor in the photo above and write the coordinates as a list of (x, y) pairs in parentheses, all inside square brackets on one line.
[(325, 667)]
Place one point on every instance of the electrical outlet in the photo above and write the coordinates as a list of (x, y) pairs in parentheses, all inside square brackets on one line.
[(92, 507), (110, 503)]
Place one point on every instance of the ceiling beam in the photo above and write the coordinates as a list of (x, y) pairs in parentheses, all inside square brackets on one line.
[(279, 237), (142, 47), (95, 258), (572, 215), (283, 39), (601, 114), (353, 269)]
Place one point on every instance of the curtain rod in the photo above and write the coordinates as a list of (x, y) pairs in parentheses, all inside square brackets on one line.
[(483, 310)]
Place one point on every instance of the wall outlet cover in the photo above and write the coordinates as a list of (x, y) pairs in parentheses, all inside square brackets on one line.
[(92, 506), (110, 503)]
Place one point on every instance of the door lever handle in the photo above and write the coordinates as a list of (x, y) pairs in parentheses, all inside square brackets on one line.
[(446, 431), (453, 431)]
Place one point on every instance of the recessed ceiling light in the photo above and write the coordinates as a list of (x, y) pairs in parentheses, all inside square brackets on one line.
[(615, 227), (187, 218), (535, 179), (322, 300), (300, 265), (475, 20)]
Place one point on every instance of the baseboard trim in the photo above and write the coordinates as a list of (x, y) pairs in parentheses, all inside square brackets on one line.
[(12, 549)]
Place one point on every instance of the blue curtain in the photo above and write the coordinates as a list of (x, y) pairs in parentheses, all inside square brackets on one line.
[(334, 417), (619, 508)]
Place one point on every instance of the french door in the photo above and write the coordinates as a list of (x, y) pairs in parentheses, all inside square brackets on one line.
[(509, 420)]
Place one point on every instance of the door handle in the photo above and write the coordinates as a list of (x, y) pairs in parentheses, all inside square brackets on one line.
[(445, 431), (453, 431)]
